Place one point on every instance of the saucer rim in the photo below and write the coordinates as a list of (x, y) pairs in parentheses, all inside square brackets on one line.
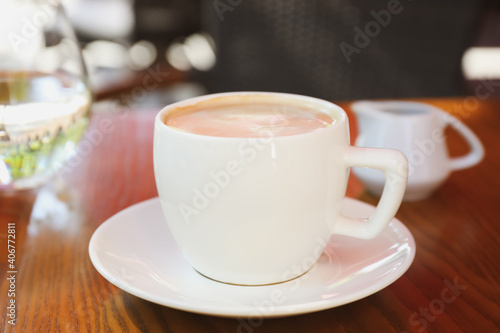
[(229, 311)]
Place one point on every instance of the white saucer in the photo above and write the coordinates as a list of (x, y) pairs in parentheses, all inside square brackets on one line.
[(135, 251)]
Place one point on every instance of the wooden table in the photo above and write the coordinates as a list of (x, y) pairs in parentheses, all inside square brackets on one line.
[(453, 284)]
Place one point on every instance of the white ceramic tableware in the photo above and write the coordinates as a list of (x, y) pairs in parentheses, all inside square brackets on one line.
[(417, 130), (146, 262), (255, 211)]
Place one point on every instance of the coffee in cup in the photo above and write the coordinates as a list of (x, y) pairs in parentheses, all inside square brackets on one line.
[(240, 120)]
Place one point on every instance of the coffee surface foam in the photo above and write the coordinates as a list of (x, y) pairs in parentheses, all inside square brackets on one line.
[(248, 120)]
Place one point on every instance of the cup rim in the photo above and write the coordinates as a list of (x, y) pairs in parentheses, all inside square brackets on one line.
[(336, 112), (395, 108)]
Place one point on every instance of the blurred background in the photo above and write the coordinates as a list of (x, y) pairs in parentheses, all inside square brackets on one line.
[(149, 53)]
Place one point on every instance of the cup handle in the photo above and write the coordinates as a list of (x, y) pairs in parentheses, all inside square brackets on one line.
[(476, 153), (395, 166)]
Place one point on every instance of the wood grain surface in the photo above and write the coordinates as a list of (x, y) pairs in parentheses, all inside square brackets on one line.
[(452, 286)]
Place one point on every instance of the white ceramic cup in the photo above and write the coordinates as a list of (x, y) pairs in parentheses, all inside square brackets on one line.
[(255, 211)]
